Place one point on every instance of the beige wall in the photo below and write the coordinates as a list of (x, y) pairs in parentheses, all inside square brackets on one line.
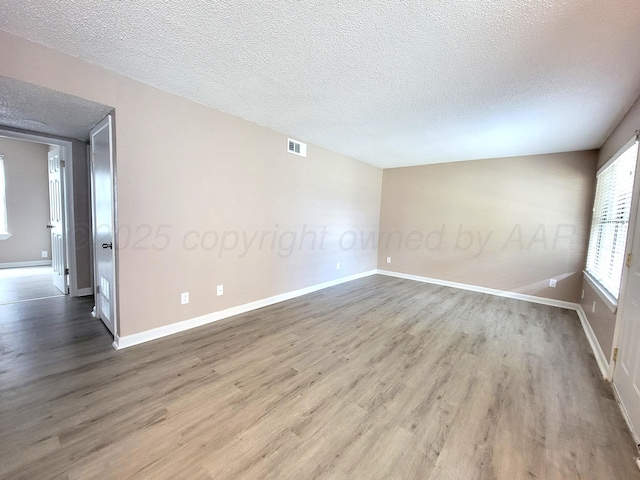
[(186, 173), (621, 134), (600, 317), (27, 190), (508, 224), (603, 320)]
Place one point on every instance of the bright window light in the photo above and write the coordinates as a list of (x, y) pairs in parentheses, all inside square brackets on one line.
[(610, 224)]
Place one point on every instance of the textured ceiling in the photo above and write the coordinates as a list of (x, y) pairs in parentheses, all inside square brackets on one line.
[(41, 110), (390, 82)]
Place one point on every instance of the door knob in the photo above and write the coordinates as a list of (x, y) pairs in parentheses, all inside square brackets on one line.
[(107, 245), (49, 225)]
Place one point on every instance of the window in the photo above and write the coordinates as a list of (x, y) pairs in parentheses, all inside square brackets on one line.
[(611, 209), (3, 203)]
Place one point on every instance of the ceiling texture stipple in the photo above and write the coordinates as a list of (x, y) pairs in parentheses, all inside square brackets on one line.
[(41, 110), (392, 83)]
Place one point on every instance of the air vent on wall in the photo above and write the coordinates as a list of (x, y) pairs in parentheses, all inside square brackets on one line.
[(297, 148)]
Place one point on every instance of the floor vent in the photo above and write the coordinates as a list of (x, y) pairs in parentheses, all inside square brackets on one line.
[(297, 148)]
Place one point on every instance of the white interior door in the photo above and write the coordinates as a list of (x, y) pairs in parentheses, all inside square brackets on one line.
[(627, 371), (57, 220), (104, 222)]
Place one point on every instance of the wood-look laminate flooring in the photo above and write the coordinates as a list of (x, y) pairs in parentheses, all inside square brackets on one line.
[(26, 283), (380, 378)]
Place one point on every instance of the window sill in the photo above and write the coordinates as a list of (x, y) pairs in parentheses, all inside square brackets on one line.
[(606, 297), (5, 236)]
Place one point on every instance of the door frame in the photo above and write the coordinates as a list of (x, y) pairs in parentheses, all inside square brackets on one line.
[(115, 297), (66, 154)]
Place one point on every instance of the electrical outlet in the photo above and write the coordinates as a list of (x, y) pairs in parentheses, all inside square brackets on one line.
[(184, 298), (45, 254), (220, 290), (553, 282), (388, 259), (338, 266)]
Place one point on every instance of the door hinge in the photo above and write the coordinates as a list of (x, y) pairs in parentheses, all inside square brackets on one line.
[(615, 354), (63, 163), (97, 289), (66, 271), (628, 260)]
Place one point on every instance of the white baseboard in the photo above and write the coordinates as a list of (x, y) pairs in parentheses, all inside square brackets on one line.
[(36, 263), (155, 333), (84, 292), (491, 291), (603, 363)]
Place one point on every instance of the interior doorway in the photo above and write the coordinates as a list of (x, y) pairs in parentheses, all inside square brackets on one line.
[(62, 123), (32, 245)]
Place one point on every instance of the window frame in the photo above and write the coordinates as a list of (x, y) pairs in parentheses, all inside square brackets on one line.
[(608, 297)]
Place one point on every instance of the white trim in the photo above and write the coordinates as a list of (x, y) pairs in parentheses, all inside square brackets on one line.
[(106, 123), (625, 414), (36, 263), (490, 291), (84, 292), (603, 363), (5, 236), (155, 333)]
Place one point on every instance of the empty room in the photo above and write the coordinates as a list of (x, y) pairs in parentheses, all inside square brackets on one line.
[(320, 240)]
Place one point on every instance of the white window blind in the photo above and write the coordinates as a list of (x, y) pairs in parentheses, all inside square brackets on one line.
[(611, 209), (3, 199)]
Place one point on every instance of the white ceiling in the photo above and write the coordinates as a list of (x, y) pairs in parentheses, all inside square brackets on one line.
[(41, 110), (390, 82)]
